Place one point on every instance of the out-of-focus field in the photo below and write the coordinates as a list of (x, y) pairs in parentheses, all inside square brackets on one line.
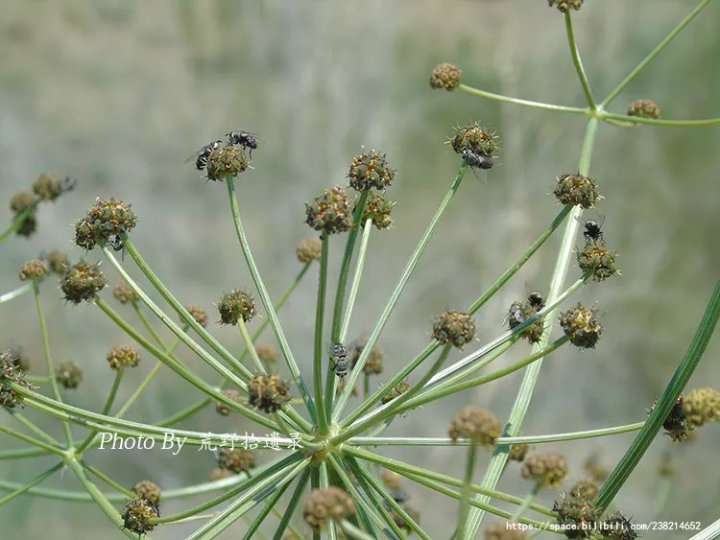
[(119, 93)]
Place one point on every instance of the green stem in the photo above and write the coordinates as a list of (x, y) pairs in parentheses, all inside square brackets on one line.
[(255, 525), (662, 409), (21, 453), (651, 56), (324, 484), (292, 505), (266, 300), (18, 221), (705, 122), (357, 277), (250, 346), (105, 410), (318, 343), (35, 481), (35, 429), (48, 356), (366, 515), (522, 401), (577, 61), (524, 102), (32, 440), (571, 436), (520, 510), (109, 481), (16, 293), (351, 531), (466, 490), (395, 296)]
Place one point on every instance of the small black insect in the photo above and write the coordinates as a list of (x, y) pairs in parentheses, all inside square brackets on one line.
[(475, 159), (516, 315), (339, 357), (243, 138), (68, 184), (593, 231), (536, 301), (201, 156)]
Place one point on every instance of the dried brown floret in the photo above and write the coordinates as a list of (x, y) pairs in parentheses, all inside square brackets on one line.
[(475, 139), (82, 281), (378, 210), (518, 452), (577, 190), (547, 469), (576, 515), (48, 188), (236, 305), (223, 409), (455, 328), (581, 326), (330, 212), (520, 312), (374, 363), (370, 170), (237, 460), (395, 392), (227, 162), (10, 374), (123, 357), (585, 489), (701, 405), (329, 503), (138, 515), (597, 261), (58, 262), (617, 527), (148, 490), (267, 353), (268, 393), (199, 314), (446, 76), (309, 249), (566, 5), (33, 270), (477, 424), (107, 222), (125, 294), (69, 375), (644, 108)]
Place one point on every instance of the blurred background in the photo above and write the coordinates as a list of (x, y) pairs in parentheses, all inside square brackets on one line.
[(118, 93)]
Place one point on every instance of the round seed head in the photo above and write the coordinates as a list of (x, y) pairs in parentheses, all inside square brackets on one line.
[(18, 358), (701, 405), (644, 108), (445, 76), (125, 294), (329, 503), (309, 249), (585, 489), (374, 363), (581, 326), (236, 305), (455, 328), (330, 212), (475, 139), (48, 188), (236, 460), (222, 408), (477, 424), (504, 531), (267, 353), (33, 270), (577, 516), (138, 515), (199, 314), (85, 235), (149, 491), (577, 190), (22, 201), (378, 210), (566, 5), (69, 375), (548, 469), (10, 373), (268, 393), (108, 221), (518, 452), (597, 261), (227, 162), (395, 392), (370, 170), (82, 281), (123, 357), (58, 262)]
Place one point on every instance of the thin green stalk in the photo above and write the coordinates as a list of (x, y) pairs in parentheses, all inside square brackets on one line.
[(524, 102), (109, 481), (520, 510), (318, 343), (32, 440), (22, 453), (661, 122), (395, 296), (351, 531), (655, 420), (266, 300), (35, 481), (710, 532), (250, 346), (255, 525), (149, 327), (324, 484), (466, 490), (18, 221), (105, 410), (651, 56), (48, 356), (35, 429), (183, 414), (292, 505), (357, 277), (577, 61), (571, 436), (15, 293), (522, 401), (366, 515)]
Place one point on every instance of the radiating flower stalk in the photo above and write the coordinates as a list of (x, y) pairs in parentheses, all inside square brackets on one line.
[(326, 469)]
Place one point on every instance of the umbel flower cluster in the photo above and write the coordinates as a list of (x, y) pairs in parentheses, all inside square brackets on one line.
[(322, 468)]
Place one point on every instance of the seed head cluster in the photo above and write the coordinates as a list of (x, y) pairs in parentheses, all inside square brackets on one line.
[(48, 188), (236, 305), (454, 328), (597, 261), (378, 210), (700, 406), (370, 170), (577, 515), (82, 282), (123, 357), (125, 294), (548, 469), (69, 375), (330, 503), (330, 212), (577, 190), (268, 393), (11, 373), (581, 326), (149, 491), (236, 460), (107, 222), (644, 108), (267, 353), (58, 262), (477, 424), (566, 5), (520, 312), (309, 250), (475, 139), (33, 270), (445, 76), (199, 314), (226, 162), (518, 452), (138, 515), (395, 392)]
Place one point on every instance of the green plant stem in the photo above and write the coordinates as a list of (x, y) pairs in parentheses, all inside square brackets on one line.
[(651, 56), (357, 277), (35, 429), (366, 515), (21, 453), (466, 490), (324, 484), (577, 61), (522, 401), (109, 481), (252, 531), (292, 505), (395, 296), (655, 420), (185, 413), (35, 481), (660, 122), (105, 410), (250, 346), (48, 356), (266, 300), (18, 221), (351, 531), (318, 343), (516, 101), (16, 293), (32, 440)]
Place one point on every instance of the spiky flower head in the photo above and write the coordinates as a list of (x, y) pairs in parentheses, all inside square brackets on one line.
[(477, 424), (577, 190), (644, 108), (236, 305), (11, 373), (69, 375), (576, 515), (58, 262), (395, 392), (125, 294), (566, 5), (48, 188), (504, 531), (475, 139), (617, 527), (518, 452), (581, 326), (374, 362), (199, 314), (330, 212), (701, 405), (18, 358), (82, 281), (148, 490), (455, 328), (107, 222), (445, 76), (268, 393), (236, 460), (223, 409), (328, 503), (33, 270), (309, 250), (597, 260), (267, 353), (138, 515), (378, 210), (520, 312), (676, 424), (123, 357), (548, 469), (370, 170), (226, 162)]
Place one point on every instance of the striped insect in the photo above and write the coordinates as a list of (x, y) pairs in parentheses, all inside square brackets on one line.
[(339, 357)]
